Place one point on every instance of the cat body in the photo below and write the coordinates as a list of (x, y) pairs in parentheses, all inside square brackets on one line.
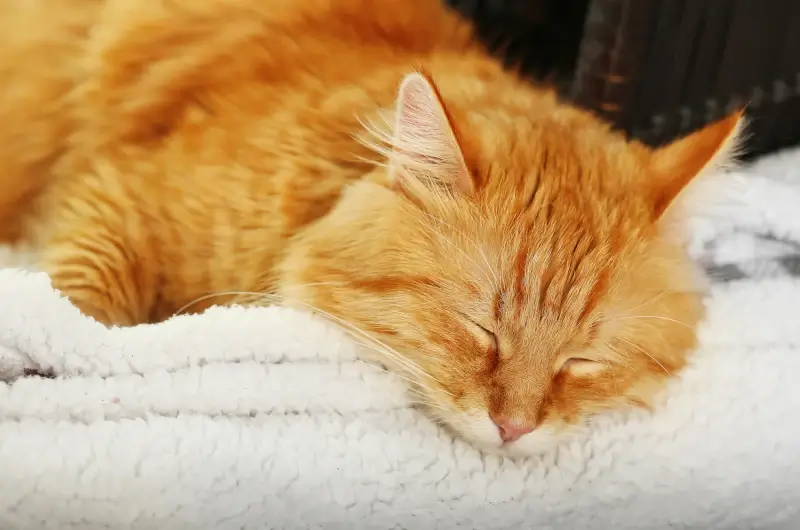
[(502, 251), (202, 135)]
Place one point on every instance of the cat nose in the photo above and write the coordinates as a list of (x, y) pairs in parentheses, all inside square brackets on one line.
[(511, 430)]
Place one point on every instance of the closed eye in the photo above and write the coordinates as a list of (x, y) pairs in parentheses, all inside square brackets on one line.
[(491, 342), (491, 336), (582, 366), (576, 360)]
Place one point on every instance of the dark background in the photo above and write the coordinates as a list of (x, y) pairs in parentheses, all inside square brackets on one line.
[(658, 69)]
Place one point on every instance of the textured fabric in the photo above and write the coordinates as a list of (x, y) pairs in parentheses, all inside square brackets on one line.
[(753, 230), (261, 418)]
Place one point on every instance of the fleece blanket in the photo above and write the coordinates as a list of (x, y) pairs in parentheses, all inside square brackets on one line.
[(264, 418)]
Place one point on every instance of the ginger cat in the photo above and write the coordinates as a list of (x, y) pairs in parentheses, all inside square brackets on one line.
[(506, 253)]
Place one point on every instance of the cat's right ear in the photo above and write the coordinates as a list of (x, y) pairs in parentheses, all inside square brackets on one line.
[(705, 151), (424, 152)]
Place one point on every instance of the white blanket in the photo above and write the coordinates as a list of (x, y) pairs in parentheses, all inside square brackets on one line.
[(260, 418)]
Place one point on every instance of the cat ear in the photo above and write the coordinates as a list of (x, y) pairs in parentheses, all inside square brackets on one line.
[(424, 147), (710, 149)]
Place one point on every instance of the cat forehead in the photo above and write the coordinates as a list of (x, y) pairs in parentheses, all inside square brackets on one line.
[(524, 260), (567, 171), (561, 203), (563, 145)]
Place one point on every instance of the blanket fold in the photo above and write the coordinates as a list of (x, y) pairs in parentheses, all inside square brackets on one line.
[(264, 418)]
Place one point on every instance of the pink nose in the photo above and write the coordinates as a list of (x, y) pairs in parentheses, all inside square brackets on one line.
[(511, 430)]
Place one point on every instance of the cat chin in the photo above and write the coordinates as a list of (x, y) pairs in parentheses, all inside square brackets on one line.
[(478, 429)]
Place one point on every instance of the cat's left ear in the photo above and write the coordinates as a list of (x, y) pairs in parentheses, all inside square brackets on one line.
[(703, 152), (425, 152)]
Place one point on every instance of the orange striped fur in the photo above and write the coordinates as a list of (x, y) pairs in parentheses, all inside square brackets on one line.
[(503, 251)]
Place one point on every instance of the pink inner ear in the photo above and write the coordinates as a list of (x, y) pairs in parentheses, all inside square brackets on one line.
[(424, 144)]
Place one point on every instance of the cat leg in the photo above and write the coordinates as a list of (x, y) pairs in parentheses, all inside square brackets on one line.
[(104, 266)]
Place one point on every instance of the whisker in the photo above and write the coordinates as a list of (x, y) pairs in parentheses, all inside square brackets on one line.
[(393, 374), (646, 353), (651, 300), (244, 293), (429, 389), (213, 295), (383, 348), (429, 405), (393, 354), (486, 260), (613, 376), (623, 359), (366, 160), (668, 319), (406, 363), (412, 382)]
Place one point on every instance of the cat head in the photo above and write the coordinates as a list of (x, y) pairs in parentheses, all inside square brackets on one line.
[(514, 263)]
